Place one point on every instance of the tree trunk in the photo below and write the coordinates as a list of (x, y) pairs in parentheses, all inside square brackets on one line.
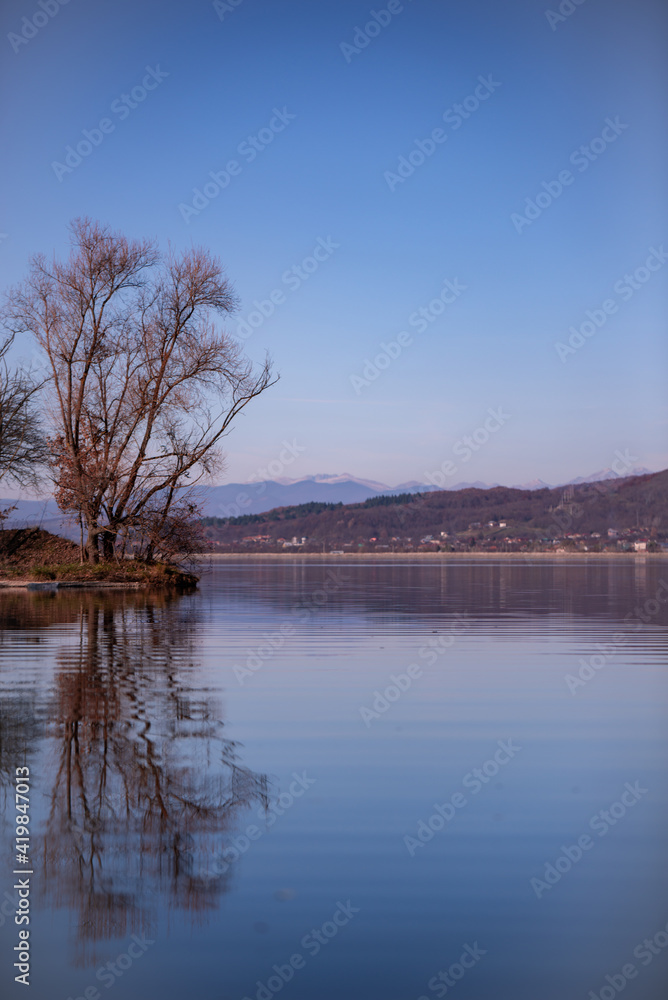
[(92, 550), (107, 545)]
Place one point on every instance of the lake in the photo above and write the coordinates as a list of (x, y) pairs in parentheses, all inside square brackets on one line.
[(373, 779)]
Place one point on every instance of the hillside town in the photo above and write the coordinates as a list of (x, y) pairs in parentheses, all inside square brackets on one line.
[(488, 537)]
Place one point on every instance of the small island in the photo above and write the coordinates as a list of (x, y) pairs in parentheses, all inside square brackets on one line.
[(34, 558)]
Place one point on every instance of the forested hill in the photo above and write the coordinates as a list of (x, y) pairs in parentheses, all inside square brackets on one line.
[(639, 503)]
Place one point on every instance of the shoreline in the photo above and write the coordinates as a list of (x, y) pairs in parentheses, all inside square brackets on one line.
[(429, 556), (68, 584)]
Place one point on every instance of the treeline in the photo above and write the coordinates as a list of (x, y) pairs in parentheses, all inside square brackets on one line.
[(278, 514), (390, 500), (304, 509)]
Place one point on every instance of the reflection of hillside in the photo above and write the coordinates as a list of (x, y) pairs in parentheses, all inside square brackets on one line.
[(141, 783), (23, 610), (580, 587)]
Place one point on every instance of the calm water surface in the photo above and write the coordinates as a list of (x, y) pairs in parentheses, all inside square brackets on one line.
[(234, 793)]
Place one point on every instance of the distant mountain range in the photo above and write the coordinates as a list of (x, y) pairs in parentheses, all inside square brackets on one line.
[(415, 486), (257, 498), (233, 499)]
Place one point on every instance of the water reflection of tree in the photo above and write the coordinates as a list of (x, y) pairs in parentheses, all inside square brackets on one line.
[(21, 714), (18, 736), (144, 785)]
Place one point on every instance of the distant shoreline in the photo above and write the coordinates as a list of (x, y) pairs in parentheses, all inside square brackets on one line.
[(429, 556)]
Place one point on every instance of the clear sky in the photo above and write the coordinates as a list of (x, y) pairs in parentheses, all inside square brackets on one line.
[(317, 110)]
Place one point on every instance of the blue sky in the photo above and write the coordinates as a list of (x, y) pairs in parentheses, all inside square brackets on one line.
[(346, 118)]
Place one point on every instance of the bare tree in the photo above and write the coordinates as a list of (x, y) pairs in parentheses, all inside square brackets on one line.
[(23, 451), (144, 385)]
